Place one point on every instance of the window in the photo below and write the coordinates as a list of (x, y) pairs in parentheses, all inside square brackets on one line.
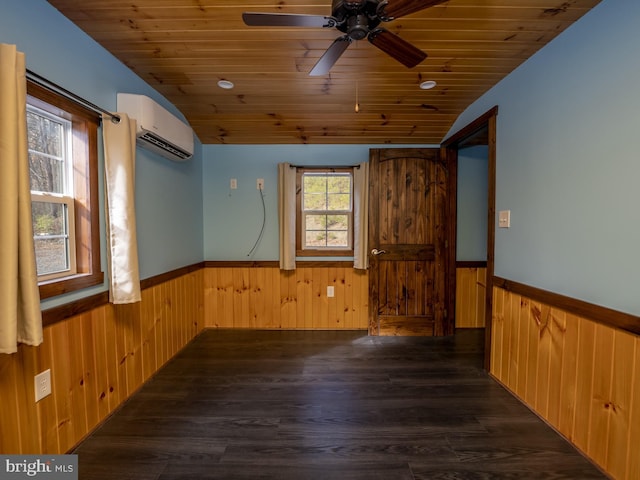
[(51, 193), (325, 212), (62, 142)]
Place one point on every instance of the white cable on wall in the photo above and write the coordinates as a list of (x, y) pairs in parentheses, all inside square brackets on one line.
[(264, 222)]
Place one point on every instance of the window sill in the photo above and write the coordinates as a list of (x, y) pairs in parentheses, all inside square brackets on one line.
[(324, 253), (72, 283)]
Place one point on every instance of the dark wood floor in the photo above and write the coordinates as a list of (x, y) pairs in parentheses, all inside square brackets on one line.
[(327, 405)]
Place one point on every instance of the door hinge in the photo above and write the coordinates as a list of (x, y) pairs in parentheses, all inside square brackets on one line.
[(446, 244), (445, 313)]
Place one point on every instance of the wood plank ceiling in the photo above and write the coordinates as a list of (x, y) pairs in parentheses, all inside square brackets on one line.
[(184, 47)]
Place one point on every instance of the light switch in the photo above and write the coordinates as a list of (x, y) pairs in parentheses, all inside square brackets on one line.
[(504, 219)]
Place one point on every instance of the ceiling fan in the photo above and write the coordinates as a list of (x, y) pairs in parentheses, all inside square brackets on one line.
[(357, 19)]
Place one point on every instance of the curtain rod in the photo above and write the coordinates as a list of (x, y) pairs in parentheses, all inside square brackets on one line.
[(323, 167), (52, 87)]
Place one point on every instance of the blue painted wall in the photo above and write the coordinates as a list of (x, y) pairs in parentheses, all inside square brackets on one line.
[(567, 161), (168, 195), (472, 206), (233, 218)]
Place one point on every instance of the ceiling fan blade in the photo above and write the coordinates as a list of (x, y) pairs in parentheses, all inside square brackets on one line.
[(286, 20), (400, 8), (396, 47), (331, 56)]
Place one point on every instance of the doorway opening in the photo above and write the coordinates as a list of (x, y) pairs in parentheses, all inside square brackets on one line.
[(478, 137)]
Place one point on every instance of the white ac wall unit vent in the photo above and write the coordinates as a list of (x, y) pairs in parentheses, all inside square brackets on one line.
[(157, 129)]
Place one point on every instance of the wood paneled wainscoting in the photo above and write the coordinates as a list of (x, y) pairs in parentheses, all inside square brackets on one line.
[(99, 354), (471, 287), (261, 296), (577, 366)]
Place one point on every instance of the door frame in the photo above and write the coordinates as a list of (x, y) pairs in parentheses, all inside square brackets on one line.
[(450, 147)]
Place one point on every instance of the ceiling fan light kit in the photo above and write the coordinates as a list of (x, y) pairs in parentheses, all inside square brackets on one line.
[(357, 20)]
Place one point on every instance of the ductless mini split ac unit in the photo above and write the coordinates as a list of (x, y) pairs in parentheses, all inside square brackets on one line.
[(157, 129)]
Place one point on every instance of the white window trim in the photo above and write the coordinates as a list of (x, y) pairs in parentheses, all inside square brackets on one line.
[(69, 235)]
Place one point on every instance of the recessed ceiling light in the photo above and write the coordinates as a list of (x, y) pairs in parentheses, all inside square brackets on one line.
[(226, 84), (428, 85)]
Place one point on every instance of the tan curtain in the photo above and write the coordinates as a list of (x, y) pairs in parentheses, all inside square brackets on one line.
[(20, 317), (361, 216), (287, 215), (119, 174)]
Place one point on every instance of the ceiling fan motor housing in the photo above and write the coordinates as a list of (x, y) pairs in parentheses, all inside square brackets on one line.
[(356, 18), (358, 27)]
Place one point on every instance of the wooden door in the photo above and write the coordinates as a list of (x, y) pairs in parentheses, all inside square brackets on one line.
[(407, 242)]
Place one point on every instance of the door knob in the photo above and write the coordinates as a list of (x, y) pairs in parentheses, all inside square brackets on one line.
[(375, 251)]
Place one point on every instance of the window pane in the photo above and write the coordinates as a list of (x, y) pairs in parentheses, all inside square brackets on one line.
[(315, 201), (315, 192), (326, 231), (44, 134), (327, 192), (51, 236), (337, 222), (315, 222), (339, 184), (338, 239), (339, 201), (46, 173), (316, 238), (51, 255), (49, 218), (46, 138), (315, 183)]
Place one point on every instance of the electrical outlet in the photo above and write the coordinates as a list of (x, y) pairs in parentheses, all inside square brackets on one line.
[(43, 384), (330, 291), (233, 183), (260, 184)]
